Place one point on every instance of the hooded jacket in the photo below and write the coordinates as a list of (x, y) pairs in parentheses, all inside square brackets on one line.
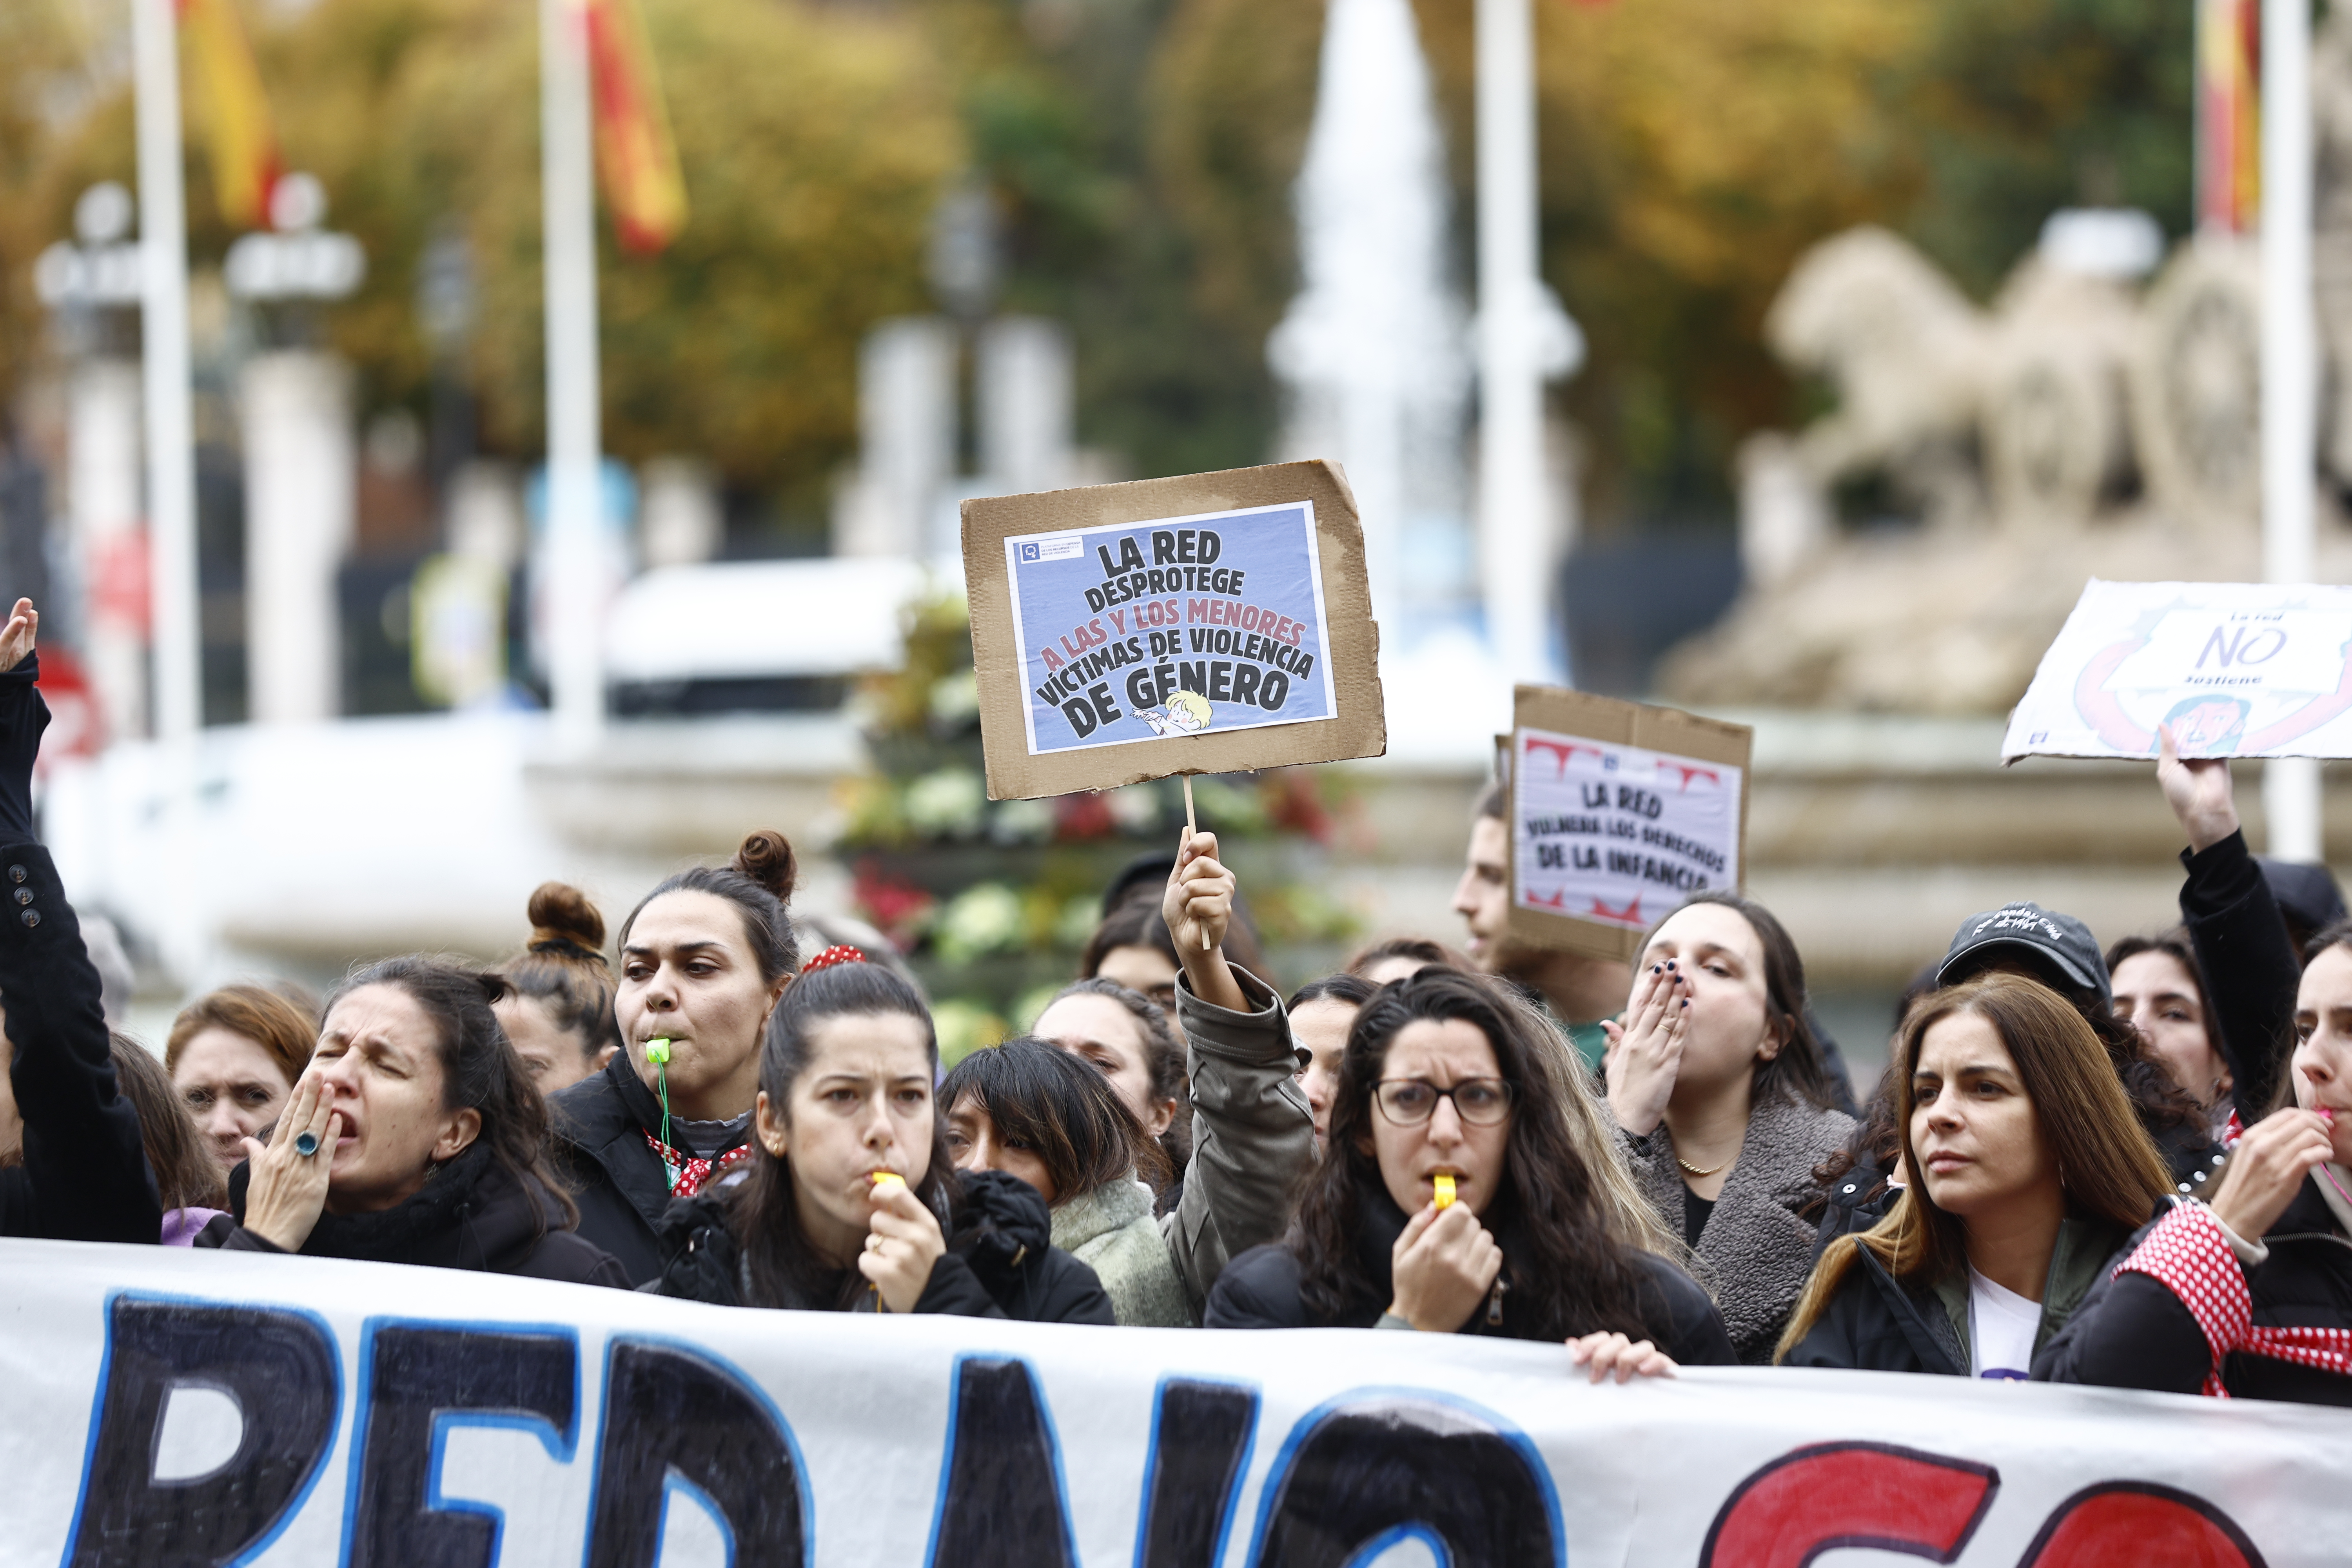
[(619, 1183), (999, 1260), (2133, 1331), (1876, 1322), (472, 1213), (1111, 1230), (1261, 1291), (1757, 1251)]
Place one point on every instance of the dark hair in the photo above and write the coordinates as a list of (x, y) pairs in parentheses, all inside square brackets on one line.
[(1421, 949), (1795, 1071), (480, 1070), (1061, 1110), (1136, 922), (285, 1031), (187, 1174), (1163, 1058), (2109, 1167), (1351, 989), (1572, 1265), (565, 969), (780, 1266), (759, 883)]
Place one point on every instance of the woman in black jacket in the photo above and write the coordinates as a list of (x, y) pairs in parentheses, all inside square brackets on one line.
[(1468, 1187), (83, 1172), (848, 1202), (704, 957), (2026, 1169), (2252, 1296), (414, 1137)]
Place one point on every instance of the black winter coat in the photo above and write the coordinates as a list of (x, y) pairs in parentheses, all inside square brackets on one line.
[(1000, 1262), (84, 1176), (2249, 968), (1260, 1289), (470, 1214), (620, 1184), (2132, 1332), (1879, 1323)]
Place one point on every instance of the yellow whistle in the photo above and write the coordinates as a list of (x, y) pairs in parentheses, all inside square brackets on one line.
[(1442, 1185), (887, 1178)]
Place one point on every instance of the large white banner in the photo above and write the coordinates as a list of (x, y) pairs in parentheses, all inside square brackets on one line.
[(166, 1408)]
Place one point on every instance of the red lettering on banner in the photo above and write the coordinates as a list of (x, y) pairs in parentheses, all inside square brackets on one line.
[(2128, 1524), (1053, 661), (1196, 612), (1812, 1499)]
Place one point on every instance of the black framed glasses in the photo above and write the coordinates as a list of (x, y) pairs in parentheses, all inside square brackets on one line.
[(1409, 1101)]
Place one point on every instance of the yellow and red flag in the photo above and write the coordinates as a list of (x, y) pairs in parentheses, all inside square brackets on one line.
[(2229, 115), (635, 154), (242, 148)]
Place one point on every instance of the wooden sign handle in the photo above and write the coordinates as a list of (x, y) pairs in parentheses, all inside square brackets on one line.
[(1191, 828)]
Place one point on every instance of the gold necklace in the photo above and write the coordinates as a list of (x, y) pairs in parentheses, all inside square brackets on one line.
[(1695, 1170)]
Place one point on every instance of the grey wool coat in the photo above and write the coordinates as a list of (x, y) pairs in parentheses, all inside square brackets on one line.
[(1757, 1251), (1111, 1231)]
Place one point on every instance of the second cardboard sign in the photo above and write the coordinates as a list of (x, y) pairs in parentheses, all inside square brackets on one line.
[(1618, 812)]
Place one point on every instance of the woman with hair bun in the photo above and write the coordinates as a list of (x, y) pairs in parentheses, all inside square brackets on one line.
[(414, 1137), (704, 959), (558, 1009)]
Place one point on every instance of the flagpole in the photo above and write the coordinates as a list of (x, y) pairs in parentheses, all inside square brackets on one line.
[(2291, 794), (164, 304), (567, 193)]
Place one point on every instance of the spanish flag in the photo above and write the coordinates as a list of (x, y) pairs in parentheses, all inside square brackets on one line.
[(237, 136), (635, 152)]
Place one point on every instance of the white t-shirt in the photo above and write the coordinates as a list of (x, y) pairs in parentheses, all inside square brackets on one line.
[(2001, 1325)]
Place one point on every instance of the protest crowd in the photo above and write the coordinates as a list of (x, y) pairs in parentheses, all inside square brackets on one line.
[(2125, 1167)]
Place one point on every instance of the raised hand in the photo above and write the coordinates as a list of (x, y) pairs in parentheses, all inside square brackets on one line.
[(902, 1242), (287, 1190), (1646, 1052), (1199, 908), (18, 636), (2198, 789), (1443, 1265)]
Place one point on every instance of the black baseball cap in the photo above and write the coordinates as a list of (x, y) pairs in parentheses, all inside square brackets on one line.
[(2307, 896), (2057, 947)]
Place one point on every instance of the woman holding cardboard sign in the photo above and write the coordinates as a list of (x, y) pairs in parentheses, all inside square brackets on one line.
[(1469, 1188), (1722, 1107)]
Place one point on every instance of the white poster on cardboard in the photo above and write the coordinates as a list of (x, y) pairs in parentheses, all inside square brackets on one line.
[(1619, 834), (2237, 670)]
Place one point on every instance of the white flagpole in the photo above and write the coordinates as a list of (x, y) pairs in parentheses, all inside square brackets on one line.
[(575, 438), (2291, 798), (1515, 528), (164, 300)]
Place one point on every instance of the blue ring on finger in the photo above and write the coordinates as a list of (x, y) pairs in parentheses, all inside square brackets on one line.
[(306, 1144)]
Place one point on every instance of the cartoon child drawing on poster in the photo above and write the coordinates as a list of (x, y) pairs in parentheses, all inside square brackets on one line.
[(1186, 713)]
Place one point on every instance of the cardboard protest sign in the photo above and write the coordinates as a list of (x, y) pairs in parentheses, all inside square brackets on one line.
[(2238, 669), (1619, 812), (172, 1406), (1210, 624)]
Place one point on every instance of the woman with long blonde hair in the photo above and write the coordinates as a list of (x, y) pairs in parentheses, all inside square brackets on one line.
[(2025, 1171)]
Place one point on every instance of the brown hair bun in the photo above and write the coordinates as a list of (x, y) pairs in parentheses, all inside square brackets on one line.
[(766, 858), (561, 916)]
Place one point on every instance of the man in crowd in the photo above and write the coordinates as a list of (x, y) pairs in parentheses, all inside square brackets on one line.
[(1582, 991)]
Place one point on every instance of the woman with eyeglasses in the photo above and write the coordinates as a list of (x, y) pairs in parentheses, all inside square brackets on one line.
[(1468, 1186)]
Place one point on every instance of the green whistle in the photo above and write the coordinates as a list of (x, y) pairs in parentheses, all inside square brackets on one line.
[(657, 1050)]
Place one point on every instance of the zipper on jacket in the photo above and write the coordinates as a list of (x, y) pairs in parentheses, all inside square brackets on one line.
[(1495, 1302)]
